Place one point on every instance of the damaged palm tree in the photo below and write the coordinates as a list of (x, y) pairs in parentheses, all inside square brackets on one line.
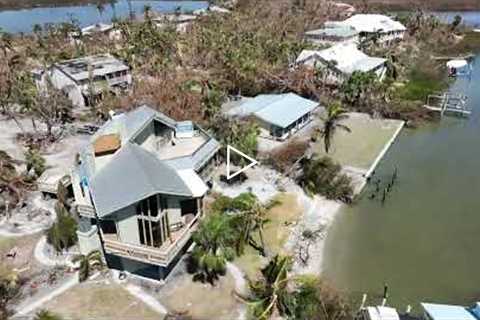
[(12, 184)]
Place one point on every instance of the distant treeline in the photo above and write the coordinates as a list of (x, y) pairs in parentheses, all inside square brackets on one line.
[(25, 4), (438, 5)]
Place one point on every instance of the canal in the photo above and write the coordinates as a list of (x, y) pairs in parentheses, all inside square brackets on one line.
[(23, 20), (423, 241)]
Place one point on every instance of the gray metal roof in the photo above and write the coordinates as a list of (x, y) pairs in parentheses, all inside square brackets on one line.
[(129, 124), (278, 109), (132, 175), (133, 172)]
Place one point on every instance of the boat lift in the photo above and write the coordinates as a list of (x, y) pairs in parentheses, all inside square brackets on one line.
[(447, 102)]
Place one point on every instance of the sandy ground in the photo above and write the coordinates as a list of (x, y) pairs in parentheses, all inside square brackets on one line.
[(358, 153), (59, 156), (100, 300), (181, 295)]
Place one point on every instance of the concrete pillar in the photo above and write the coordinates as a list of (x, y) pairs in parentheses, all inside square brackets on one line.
[(89, 241)]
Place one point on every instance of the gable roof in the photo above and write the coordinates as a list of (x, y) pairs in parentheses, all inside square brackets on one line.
[(134, 173), (372, 23), (277, 109), (447, 312), (345, 56)]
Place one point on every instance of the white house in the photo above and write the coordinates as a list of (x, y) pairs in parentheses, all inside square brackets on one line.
[(80, 78), (180, 21), (102, 28), (341, 60), (369, 24)]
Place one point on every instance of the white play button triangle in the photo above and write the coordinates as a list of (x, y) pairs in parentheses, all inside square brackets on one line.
[(251, 164)]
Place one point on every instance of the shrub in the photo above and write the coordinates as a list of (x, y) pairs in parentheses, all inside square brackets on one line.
[(316, 300), (46, 315), (63, 233), (322, 176), (283, 157), (34, 161)]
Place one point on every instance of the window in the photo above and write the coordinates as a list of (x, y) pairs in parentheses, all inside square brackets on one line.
[(108, 227), (153, 227)]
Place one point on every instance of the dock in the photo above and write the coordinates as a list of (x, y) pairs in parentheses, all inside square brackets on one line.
[(467, 57), (444, 103)]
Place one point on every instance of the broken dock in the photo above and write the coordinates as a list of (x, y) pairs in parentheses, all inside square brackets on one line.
[(450, 103)]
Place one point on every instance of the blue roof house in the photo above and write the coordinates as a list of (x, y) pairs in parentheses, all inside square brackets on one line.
[(139, 187), (278, 115), (434, 311)]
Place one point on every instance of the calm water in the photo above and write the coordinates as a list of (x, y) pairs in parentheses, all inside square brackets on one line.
[(424, 241), (23, 20)]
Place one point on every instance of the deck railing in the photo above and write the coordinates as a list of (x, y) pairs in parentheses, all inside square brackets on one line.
[(160, 256)]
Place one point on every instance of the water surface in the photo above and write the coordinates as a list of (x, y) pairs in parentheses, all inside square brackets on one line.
[(23, 20), (424, 240)]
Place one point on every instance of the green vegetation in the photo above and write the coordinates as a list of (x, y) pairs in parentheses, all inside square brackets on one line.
[(214, 241), (233, 224), (88, 263), (46, 315), (9, 289), (275, 292), (34, 161), (335, 114), (323, 176), (421, 83), (63, 233)]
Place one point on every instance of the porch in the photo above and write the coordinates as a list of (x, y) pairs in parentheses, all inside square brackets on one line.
[(162, 255)]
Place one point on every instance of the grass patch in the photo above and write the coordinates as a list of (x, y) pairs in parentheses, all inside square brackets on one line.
[(422, 81), (360, 147), (94, 301), (276, 233)]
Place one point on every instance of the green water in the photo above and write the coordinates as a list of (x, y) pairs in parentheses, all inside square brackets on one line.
[(425, 240)]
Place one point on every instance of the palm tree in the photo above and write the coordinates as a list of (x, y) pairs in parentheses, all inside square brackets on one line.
[(270, 294), (335, 114), (88, 263), (250, 220), (101, 9), (147, 11), (214, 240)]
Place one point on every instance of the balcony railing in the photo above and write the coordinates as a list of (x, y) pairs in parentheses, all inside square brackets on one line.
[(160, 256)]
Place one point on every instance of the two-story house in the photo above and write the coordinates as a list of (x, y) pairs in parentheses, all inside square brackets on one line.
[(139, 188), (87, 77)]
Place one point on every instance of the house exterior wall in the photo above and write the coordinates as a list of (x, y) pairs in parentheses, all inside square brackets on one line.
[(174, 210), (89, 241), (127, 226), (268, 130)]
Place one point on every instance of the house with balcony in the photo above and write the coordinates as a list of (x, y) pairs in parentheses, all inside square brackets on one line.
[(86, 78), (139, 188)]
